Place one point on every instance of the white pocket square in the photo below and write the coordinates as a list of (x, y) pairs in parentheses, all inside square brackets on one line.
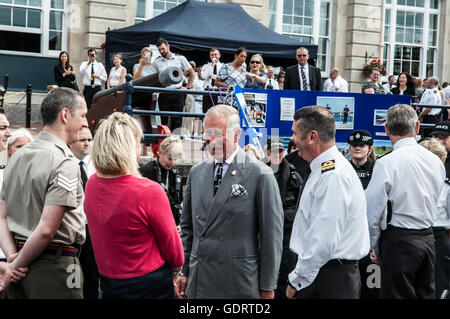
[(237, 190)]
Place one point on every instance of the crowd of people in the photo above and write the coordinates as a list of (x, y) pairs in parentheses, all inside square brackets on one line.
[(79, 218)]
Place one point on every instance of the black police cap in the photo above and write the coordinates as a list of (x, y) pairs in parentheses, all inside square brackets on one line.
[(360, 137), (442, 128)]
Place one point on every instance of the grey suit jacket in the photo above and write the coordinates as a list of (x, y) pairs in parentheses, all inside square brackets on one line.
[(232, 244)]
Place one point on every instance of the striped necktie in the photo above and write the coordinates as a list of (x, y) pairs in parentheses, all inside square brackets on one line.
[(218, 178), (305, 84)]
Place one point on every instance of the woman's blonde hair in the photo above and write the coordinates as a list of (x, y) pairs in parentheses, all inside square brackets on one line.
[(262, 66), (115, 145), (172, 145), (147, 49), (436, 147), (251, 149)]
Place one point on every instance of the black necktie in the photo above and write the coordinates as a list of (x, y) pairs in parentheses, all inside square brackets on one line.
[(215, 69), (92, 73), (218, 178), (84, 177), (305, 84)]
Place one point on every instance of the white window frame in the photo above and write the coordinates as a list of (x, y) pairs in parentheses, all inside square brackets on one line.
[(426, 10), (43, 31), (316, 28), (149, 9)]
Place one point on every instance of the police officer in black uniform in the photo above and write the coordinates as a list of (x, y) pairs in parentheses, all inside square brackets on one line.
[(363, 160), (162, 171), (289, 182)]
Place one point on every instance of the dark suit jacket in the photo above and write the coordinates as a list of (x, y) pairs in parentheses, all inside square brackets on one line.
[(409, 90), (292, 80)]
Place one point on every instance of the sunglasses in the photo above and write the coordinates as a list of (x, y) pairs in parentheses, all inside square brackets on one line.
[(302, 55), (255, 62)]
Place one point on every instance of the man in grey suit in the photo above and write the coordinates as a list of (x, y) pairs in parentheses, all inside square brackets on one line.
[(303, 76), (232, 220)]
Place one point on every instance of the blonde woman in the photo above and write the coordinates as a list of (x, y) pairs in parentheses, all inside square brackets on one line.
[(134, 237), (117, 74), (144, 67), (251, 150), (257, 75)]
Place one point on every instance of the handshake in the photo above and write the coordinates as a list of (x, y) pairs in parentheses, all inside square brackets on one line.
[(10, 275)]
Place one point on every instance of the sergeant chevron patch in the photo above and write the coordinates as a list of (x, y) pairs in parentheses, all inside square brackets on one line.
[(67, 183), (328, 166)]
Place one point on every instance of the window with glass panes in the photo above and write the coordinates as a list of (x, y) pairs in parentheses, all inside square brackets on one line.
[(35, 26), (307, 21), (410, 36), (147, 9)]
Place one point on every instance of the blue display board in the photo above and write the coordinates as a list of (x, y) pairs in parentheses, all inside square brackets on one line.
[(270, 110)]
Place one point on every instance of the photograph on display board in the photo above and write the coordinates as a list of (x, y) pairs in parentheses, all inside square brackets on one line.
[(379, 117), (256, 109), (343, 109), (380, 148)]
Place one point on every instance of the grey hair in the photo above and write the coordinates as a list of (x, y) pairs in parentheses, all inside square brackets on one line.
[(401, 120), (316, 118), (227, 112), (433, 80), (56, 100), (172, 145), (303, 48), (21, 132)]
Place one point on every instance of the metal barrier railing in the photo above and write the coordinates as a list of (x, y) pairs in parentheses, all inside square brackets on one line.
[(426, 125)]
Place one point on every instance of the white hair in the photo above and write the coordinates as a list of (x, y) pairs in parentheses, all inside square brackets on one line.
[(227, 112), (21, 132)]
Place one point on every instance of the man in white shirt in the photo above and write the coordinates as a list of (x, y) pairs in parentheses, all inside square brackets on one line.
[(335, 83), (447, 94), (390, 83), (93, 73), (431, 96), (407, 182), (209, 73), (330, 233), (271, 83), (82, 149), (170, 101)]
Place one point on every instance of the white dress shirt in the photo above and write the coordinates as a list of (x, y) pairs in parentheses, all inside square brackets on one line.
[(2, 255), (99, 69), (160, 64), (331, 220), (387, 87), (339, 85), (446, 94), (431, 97), (272, 82), (306, 71), (411, 178), (208, 76), (226, 163), (443, 208)]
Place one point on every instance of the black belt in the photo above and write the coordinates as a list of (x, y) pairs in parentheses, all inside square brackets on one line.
[(343, 261), (439, 228), (93, 87)]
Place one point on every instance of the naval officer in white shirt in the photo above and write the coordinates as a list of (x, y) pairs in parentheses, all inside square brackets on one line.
[(330, 232), (407, 182)]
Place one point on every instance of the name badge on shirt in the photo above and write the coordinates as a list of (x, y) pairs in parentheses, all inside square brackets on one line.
[(328, 166)]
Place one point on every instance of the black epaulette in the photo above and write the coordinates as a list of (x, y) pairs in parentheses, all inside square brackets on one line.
[(2, 166), (447, 179), (328, 166), (384, 154)]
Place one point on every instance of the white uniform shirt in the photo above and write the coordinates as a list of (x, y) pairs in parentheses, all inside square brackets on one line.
[(446, 94), (160, 64), (411, 178), (208, 76), (273, 82), (339, 85), (387, 87), (432, 97), (331, 220), (443, 208), (306, 71), (85, 71)]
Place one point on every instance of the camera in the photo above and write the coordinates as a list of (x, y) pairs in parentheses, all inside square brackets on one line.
[(147, 54)]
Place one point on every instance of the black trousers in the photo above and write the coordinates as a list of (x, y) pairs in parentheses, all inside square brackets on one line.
[(90, 270), (89, 93), (407, 263), (156, 285), (428, 119), (208, 102), (337, 279), (367, 292), (171, 102), (442, 269)]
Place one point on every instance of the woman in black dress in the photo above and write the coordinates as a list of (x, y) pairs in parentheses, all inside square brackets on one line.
[(64, 73), (404, 85)]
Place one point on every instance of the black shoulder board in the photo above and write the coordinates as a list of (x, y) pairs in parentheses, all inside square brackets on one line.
[(447, 180), (328, 166), (385, 154), (2, 166)]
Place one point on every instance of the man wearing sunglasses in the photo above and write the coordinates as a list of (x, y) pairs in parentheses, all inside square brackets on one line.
[(303, 76)]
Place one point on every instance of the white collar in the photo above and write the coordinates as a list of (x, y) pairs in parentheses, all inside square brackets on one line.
[(404, 142), (230, 159)]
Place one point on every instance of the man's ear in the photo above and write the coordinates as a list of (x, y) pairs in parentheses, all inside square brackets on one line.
[(417, 127), (387, 130), (64, 115), (313, 136)]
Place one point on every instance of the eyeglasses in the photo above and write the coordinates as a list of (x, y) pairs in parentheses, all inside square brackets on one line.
[(302, 55), (255, 62)]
